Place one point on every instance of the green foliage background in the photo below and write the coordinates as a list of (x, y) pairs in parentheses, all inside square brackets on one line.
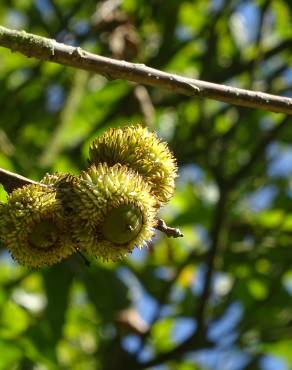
[(219, 298)]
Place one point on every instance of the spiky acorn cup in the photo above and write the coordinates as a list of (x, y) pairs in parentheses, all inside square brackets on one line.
[(142, 151), (61, 183), (114, 211), (34, 228)]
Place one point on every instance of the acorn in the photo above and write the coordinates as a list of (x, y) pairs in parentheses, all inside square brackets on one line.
[(142, 151), (34, 228), (113, 211)]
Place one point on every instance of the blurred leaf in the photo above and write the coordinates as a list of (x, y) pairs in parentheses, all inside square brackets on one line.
[(281, 348), (14, 320), (106, 291), (46, 333), (257, 289), (10, 354), (57, 280), (162, 334)]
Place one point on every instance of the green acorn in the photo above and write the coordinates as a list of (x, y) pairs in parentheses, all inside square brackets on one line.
[(34, 228), (142, 151), (113, 211)]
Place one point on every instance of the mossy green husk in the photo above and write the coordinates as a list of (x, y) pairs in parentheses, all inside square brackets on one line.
[(142, 151)]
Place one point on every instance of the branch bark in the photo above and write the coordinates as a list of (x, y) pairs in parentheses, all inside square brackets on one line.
[(169, 231), (50, 50), (12, 181)]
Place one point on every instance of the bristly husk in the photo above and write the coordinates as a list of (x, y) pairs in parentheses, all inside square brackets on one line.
[(113, 211), (61, 183), (33, 227), (142, 151)]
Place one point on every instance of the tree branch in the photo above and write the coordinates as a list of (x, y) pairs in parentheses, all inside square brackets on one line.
[(49, 50), (11, 181), (198, 339), (169, 231)]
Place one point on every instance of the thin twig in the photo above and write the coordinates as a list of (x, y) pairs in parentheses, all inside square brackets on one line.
[(198, 339), (83, 257), (50, 50), (215, 235), (169, 231), (11, 181)]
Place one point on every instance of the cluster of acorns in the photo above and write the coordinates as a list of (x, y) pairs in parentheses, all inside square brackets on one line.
[(107, 210)]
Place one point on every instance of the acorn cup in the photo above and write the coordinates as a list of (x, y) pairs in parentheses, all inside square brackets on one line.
[(106, 211), (143, 152), (34, 228), (113, 211)]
